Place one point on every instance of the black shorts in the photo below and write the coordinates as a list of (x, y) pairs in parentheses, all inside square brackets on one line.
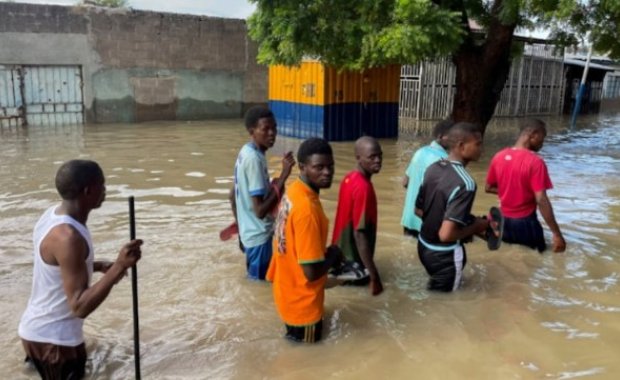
[(305, 334), (444, 267), (525, 231), (56, 362), (410, 232)]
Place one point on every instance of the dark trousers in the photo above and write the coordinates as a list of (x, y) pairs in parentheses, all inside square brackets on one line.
[(444, 267), (525, 231), (55, 362)]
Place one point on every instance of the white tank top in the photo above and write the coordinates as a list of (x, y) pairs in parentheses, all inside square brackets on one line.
[(48, 317)]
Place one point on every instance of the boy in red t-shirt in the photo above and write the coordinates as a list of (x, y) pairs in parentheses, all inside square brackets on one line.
[(355, 226), (520, 178)]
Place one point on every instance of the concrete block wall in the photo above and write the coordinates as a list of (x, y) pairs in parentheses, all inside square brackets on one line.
[(140, 65)]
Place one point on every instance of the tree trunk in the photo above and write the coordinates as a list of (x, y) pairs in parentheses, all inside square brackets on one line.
[(481, 73)]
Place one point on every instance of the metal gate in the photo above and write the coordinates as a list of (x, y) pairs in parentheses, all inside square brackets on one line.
[(535, 86), (40, 95), (11, 110)]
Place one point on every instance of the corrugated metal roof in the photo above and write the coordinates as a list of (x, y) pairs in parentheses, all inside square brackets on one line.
[(580, 63)]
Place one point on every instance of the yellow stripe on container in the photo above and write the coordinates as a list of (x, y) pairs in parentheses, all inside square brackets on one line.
[(302, 84)]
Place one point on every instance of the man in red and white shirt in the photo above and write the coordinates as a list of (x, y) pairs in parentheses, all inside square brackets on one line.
[(519, 176), (355, 225)]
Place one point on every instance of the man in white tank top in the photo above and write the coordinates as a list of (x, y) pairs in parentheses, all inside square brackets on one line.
[(62, 296)]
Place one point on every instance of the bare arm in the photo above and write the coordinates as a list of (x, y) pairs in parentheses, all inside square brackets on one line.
[(315, 271), (233, 201), (67, 248), (263, 205), (451, 231), (405, 181), (363, 248), (546, 210), (102, 266), (491, 189)]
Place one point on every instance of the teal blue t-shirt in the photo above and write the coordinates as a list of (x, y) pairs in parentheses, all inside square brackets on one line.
[(251, 179), (421, 160)]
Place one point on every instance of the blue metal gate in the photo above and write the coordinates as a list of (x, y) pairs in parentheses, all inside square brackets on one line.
[(40, 95)]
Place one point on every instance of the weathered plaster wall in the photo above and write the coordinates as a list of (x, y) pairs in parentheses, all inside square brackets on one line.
[(140, 65)]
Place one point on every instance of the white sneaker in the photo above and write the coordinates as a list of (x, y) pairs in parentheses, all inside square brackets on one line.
[(349, 271)]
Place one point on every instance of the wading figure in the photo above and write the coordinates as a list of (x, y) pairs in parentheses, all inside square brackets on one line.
[(520, 178), (444, 204), (355, 225), (62, 295), (300, 263), (254, 197), (421, 160)]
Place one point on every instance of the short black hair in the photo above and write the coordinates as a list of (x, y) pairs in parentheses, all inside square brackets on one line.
[(313, 145), (532, 125), (75, 175), (459, 132), (442, 127), (254, 114)]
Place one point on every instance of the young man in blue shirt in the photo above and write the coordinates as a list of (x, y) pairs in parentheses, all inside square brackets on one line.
[(254, 196), (421, 160)]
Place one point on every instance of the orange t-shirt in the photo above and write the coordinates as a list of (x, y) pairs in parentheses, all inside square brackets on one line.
[(300, 237)]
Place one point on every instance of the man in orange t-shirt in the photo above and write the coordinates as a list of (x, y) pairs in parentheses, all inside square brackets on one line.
[(299, 266)]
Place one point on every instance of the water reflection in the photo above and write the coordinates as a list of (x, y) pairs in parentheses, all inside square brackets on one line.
[(520, 315)]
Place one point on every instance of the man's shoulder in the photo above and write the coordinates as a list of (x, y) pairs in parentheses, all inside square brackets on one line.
[(298, 194), (64, 232), (356, 179), (424, 151), (439, 166), (249, 152), (508, 154), (455, 174), (61, 242), (502, 152)]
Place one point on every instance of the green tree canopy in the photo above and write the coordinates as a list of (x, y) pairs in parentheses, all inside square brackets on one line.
[(367, 33), (477, 34)]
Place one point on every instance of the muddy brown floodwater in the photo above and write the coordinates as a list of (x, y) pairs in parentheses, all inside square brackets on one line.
[(520, 315)]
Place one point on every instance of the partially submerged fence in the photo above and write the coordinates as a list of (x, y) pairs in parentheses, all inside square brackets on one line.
[(535, 86)]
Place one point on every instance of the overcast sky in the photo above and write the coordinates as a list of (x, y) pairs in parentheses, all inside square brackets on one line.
[(219, 8)]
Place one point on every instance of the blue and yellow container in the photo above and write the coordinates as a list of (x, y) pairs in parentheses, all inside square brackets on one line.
[(313, 100)]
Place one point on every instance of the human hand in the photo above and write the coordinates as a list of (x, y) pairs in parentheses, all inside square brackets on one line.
[(334, 254), (288, 161), (558, 243), (481, 225), (129, 254)]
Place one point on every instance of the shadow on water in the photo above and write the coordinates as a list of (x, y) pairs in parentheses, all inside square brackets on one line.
[(520, 314)]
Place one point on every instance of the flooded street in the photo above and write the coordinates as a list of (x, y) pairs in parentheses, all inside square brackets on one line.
[(520, 315)]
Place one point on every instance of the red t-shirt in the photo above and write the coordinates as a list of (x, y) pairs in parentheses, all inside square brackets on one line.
[(357, 211), (518, 174)]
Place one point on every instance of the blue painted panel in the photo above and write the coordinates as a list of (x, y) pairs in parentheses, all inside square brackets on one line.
[(381, 120), (336, 122), (343, 122), (349, 121), (298, 120)]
